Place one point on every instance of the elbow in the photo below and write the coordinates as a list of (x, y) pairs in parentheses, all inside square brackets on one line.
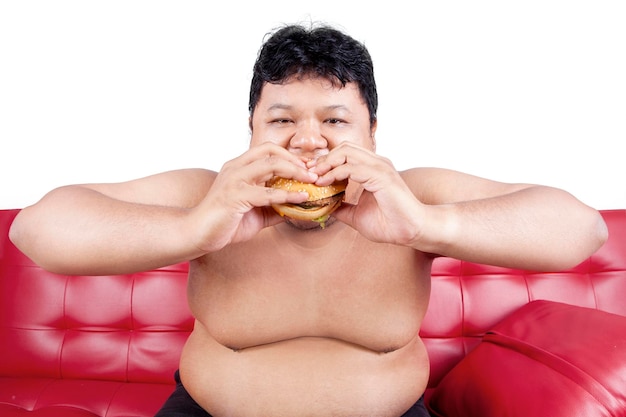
[(25, 238), (595, 235), (588, 239), (600, 232), (17, 234)]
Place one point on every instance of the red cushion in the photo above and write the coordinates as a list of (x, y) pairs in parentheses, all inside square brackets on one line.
[(51, 397), (546, 359), (468, 299)]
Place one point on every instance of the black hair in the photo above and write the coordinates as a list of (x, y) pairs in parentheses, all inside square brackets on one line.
[(319, 51)]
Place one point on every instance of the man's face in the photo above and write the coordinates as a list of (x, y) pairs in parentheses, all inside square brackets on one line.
[(310, 116)]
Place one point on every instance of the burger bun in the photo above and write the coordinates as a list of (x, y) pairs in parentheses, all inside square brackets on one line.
[(321, 203)]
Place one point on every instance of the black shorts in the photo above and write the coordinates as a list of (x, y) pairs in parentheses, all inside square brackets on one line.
[(180, 404)]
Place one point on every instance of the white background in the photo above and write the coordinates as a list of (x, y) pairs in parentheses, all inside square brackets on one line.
[(529, 91)]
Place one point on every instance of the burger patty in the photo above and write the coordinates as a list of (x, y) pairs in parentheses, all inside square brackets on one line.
[(321, 202)]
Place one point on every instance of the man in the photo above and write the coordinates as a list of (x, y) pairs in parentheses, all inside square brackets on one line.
[(293, 319)]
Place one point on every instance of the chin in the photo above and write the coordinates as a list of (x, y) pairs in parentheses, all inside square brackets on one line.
[(309, 225)]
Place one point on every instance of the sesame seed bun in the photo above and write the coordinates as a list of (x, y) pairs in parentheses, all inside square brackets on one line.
[(321, 203)]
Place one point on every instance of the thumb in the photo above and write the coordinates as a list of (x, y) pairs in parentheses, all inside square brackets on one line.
[(345, 213)]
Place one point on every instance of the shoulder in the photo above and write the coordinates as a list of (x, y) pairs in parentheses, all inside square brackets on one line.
[(176, 188), (440, 186)]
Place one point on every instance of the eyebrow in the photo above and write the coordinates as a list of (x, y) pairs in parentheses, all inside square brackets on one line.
[(281, 106)]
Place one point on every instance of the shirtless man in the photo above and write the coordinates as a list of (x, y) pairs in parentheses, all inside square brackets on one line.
[(293, 320)]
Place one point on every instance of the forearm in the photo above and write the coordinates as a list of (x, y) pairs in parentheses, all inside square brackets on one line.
[(75, 230), (538, 228)]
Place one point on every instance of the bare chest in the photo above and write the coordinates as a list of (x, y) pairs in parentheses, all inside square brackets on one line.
[(262, 292)]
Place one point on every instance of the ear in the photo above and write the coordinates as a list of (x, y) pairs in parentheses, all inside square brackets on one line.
[(373, 133), (250, 123)]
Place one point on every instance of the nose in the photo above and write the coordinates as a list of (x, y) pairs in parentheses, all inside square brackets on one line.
[(308, 141)]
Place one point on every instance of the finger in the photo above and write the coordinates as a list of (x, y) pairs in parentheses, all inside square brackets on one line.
[(259, 164), (269, 152), (258, 196), (347, 154), (345, 213), (271, 217), (264, 170), (358, 166)]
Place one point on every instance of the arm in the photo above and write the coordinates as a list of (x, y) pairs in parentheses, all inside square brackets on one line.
[(112, 228), (99, 229), (515, 225), (453, 214)]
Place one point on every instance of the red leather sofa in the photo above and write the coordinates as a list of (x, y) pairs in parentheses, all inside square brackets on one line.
[(83, 346)]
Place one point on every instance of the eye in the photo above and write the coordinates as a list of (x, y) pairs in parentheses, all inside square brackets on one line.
[(281, 121), (334, 121)]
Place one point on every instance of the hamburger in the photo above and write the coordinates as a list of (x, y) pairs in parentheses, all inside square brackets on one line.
[(321, 203)]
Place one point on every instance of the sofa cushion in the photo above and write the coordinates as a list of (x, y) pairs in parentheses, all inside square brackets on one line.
[(545, 359), (52, 397)]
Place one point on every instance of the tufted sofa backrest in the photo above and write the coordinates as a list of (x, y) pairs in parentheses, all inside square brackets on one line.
[(120, 328), (468, 299), (132, 327)]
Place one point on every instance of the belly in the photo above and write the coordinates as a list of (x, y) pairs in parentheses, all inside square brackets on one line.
[(334, 334), (304, 376)]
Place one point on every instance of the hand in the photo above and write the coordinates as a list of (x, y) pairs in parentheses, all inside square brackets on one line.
[(385, 209), (237, 205)]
